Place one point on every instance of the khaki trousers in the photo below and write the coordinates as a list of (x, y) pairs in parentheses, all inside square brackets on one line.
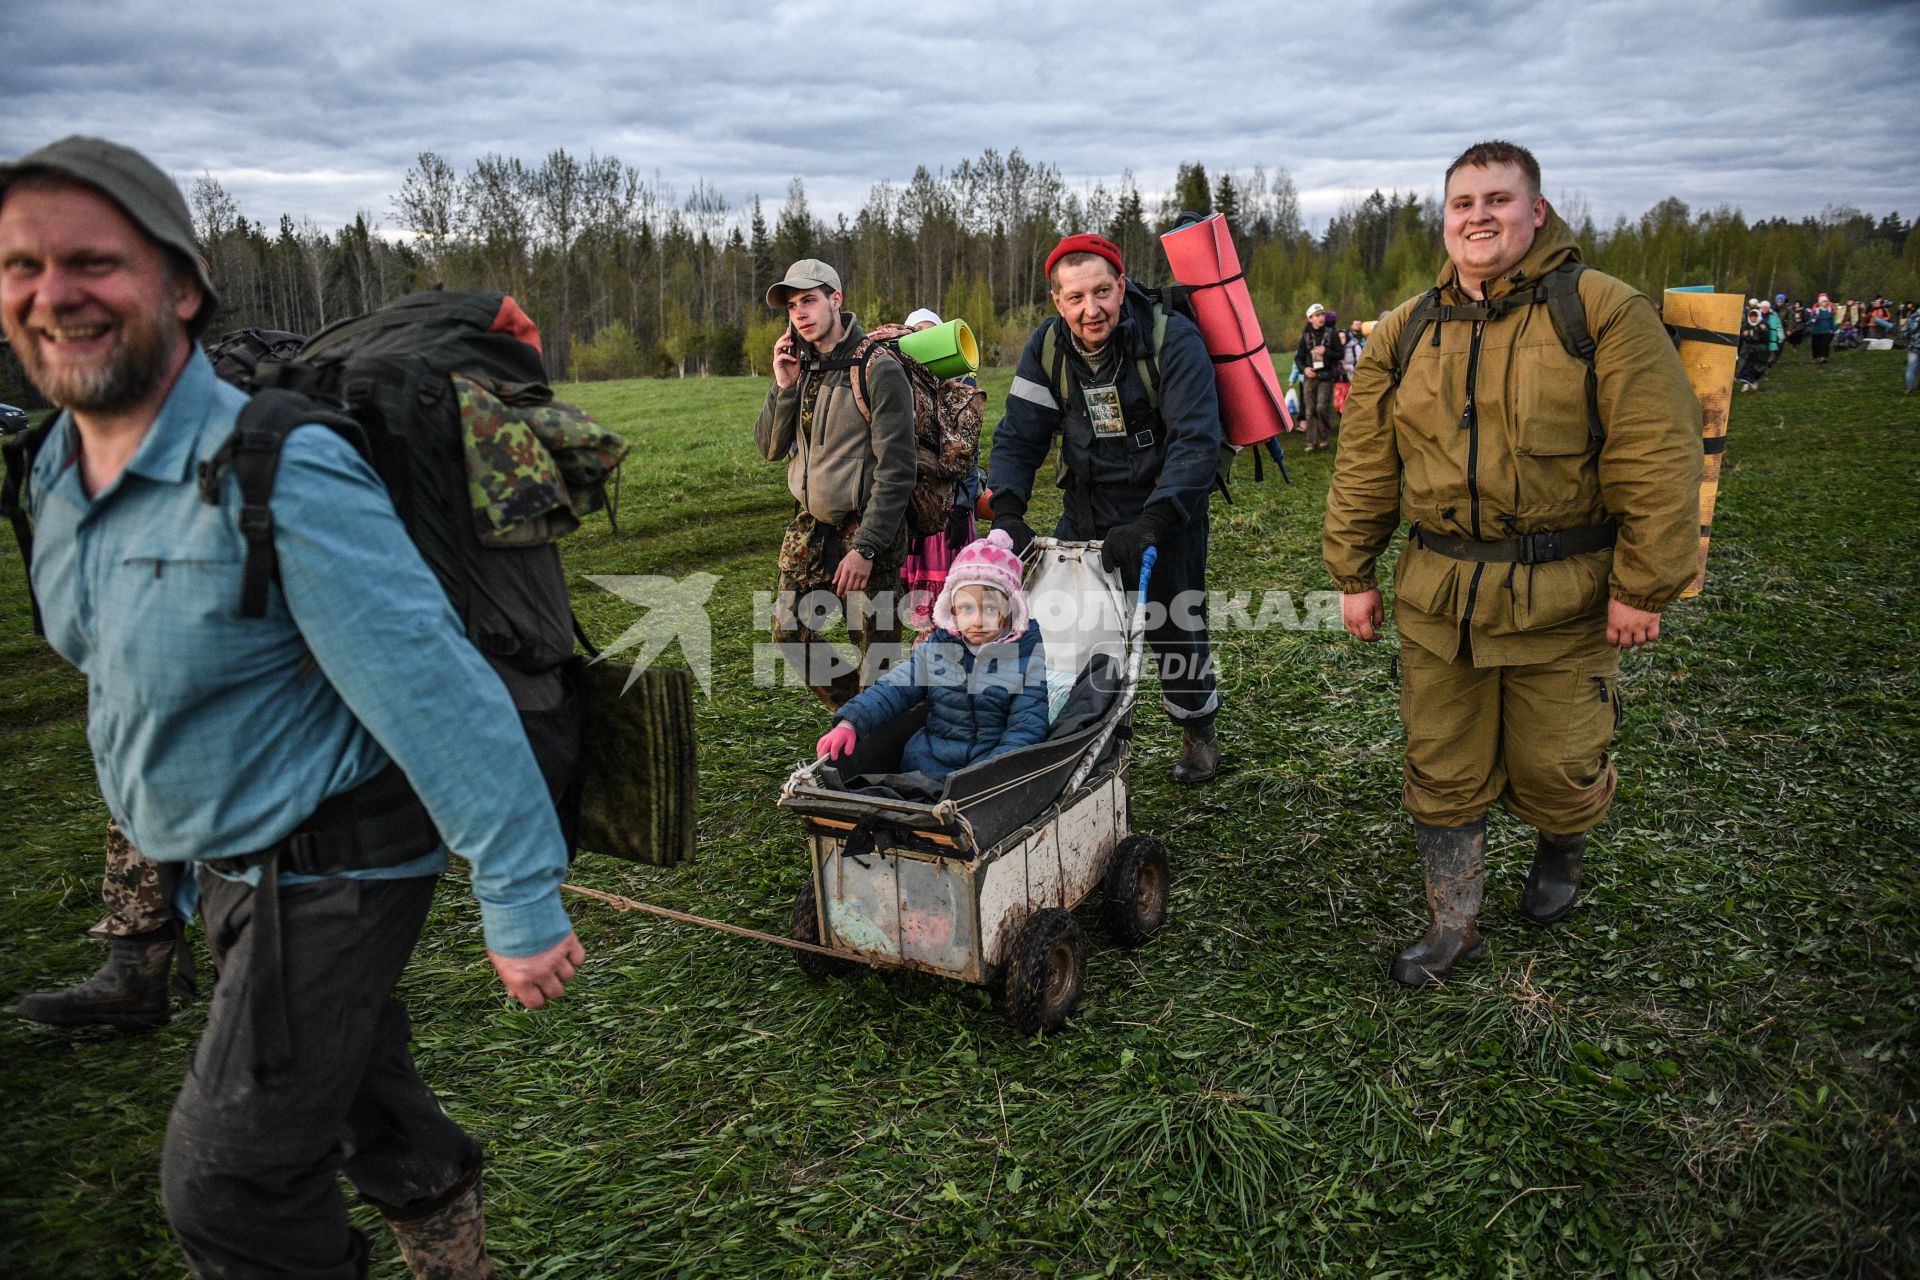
[(809, 554), (1534, 737)]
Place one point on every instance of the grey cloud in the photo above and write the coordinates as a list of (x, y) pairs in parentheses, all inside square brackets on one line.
[(1626, 101)]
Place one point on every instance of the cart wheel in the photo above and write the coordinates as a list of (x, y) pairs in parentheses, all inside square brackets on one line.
[(805, 927), (1135, 888), (1045, 971)]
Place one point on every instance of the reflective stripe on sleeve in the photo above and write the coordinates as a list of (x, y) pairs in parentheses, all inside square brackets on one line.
[(1034, 392)]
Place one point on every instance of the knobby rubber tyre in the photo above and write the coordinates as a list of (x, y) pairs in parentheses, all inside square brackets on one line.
[(1134, 890), (805, 927), (1046, 969)]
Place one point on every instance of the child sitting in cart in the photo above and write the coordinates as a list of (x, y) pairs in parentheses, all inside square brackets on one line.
[(982, 669)]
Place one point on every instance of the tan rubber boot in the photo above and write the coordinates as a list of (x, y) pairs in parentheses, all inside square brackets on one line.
[(1554, 881), (1199, 755), (1454, 860), (446, 1240)]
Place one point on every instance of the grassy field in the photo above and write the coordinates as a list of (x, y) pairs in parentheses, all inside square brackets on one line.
[(1709, 1069)]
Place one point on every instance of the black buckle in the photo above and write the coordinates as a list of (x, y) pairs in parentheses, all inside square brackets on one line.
[(1540, 548), (256, 523), (302, 853)]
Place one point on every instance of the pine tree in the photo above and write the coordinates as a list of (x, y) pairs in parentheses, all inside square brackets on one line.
[(1226, 202), (1128, 230), (793, 234), (760, 246), (1191, 192)]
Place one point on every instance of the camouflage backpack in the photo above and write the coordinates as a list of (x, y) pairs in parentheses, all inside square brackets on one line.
[(947, 416)]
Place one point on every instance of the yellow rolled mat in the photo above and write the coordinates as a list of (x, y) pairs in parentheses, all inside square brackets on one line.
[(1710, 367)]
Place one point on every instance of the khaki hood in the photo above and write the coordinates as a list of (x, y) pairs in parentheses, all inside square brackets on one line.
[(1553, 244)]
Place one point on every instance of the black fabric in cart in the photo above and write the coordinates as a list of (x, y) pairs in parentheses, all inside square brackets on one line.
[(1001, 795)]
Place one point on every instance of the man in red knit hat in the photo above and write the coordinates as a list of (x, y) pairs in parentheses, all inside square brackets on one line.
[(1130, 391)]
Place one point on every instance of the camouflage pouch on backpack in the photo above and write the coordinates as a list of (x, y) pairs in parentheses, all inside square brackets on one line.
[(535, 465)]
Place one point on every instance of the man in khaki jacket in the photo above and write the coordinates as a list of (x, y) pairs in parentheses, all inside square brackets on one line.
[(851, 471), (1554, 513)]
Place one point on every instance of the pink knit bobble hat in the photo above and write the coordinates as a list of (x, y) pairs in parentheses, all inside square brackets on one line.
[(990, 562)]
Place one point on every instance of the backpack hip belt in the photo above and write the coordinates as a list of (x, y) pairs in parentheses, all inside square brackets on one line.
[(1543, 547), (380, 823)]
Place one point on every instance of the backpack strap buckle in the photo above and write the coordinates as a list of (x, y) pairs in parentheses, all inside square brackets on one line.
[(256, 523)]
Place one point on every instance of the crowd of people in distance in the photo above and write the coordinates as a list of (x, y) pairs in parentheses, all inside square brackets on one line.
[(1772, 325)]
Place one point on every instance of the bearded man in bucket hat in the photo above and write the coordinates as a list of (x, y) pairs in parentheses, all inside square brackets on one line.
[(308, 786), (143, 931), (1139, 461), (851, 472)]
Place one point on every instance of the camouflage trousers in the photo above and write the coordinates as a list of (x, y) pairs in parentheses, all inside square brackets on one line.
[(138, 894), (806, 604)]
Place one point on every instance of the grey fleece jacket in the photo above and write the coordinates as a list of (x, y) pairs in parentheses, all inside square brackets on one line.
[(847, 465)]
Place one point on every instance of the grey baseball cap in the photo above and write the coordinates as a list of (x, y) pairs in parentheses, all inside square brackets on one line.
[(137, 185), (808, 273)]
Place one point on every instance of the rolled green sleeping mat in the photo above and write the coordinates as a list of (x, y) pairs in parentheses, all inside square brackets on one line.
[(948, 349)]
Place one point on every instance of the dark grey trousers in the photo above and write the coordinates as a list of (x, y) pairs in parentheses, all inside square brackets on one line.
[(250, 1175)]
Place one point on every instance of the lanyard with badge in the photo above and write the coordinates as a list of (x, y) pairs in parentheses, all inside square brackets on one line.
[(1104, 412)]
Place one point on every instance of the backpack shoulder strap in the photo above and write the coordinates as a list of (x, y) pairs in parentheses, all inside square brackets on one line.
[(860, 376), (855, 363), (253, 453), (1410, 333), (1569, 316), (21, 450), (1053, 357), (1568, 312), (1150, 363)]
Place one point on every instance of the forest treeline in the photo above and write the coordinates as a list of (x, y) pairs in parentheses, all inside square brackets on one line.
[(628, 276)]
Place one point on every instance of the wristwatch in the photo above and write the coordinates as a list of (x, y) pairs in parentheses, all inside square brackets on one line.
[(864, 555)]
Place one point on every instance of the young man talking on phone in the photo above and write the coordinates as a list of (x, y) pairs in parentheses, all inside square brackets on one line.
[(851, 469)]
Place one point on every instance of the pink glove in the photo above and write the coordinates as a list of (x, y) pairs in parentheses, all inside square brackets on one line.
[(838, 742)]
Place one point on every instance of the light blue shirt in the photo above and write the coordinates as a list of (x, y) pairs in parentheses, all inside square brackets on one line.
[(216, 735)]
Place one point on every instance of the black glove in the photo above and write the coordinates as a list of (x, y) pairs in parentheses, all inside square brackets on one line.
[(1126, 543), (1010, 514), (959, 525)]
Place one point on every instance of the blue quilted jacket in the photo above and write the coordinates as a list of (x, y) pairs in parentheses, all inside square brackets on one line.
[(980, 704)]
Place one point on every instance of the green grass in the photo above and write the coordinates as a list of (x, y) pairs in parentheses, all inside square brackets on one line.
[(1707, 1070)]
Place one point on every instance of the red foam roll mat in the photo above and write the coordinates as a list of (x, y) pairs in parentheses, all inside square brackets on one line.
[(1253, 403)]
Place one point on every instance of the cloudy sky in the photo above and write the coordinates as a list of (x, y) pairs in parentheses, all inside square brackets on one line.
[(1769, 105)]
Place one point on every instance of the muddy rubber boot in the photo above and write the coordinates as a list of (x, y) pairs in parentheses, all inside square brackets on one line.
[(446, 1238), (1454, 860), (1199, 755), (128, 992), (1554, 881)]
